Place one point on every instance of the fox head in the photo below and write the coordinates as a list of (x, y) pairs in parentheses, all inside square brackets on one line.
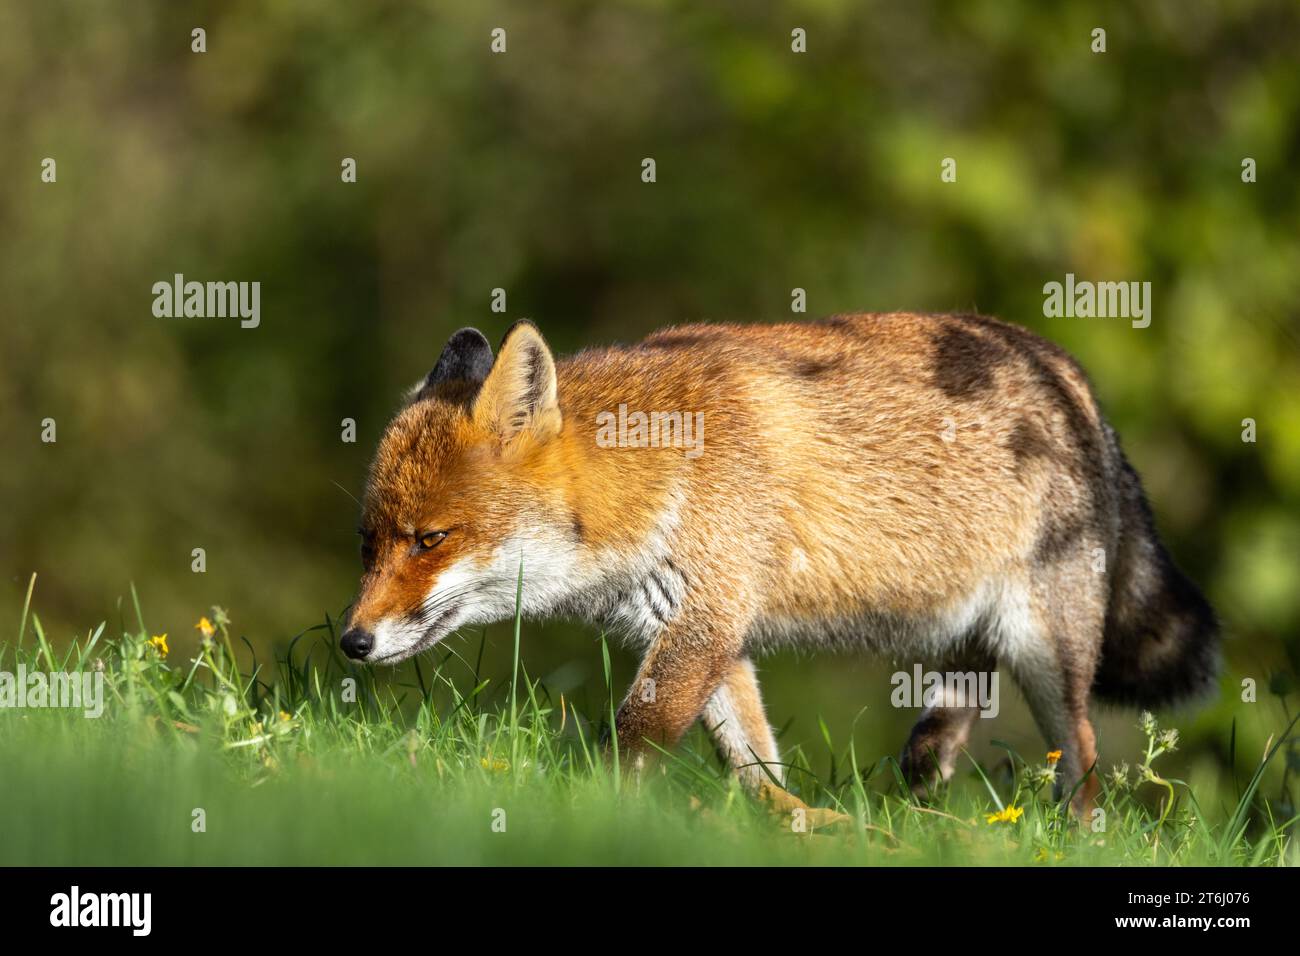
[(468, 479)]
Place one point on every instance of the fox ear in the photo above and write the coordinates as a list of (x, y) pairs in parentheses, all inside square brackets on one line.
[(464, 364), (520, 393)]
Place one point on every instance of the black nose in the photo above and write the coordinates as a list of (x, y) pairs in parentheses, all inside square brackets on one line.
[(357, 643)]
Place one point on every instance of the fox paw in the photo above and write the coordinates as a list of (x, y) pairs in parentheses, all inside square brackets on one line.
[(801, 817)]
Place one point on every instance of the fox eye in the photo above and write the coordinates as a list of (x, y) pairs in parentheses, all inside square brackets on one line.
[(431, 539)]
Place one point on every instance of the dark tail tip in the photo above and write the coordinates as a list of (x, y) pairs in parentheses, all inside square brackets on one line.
[(1163, 647), (1161, 644)]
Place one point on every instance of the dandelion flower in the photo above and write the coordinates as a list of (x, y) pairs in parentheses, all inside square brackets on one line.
[(1005, 815)]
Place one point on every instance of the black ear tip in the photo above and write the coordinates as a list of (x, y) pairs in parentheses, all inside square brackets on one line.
[(468, 337), (467, 357)]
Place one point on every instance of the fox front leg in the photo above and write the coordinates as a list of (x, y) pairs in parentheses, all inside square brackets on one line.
[(735, 719), (695, 626), (676, 678)]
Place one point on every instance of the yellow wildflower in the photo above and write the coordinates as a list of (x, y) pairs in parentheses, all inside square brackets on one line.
[(285, 715), (1005, 815), (496, 765), (1052, 757), (159, 643), (205, 627)]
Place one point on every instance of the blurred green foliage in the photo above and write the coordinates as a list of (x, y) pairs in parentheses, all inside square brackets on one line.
[(775, 170)]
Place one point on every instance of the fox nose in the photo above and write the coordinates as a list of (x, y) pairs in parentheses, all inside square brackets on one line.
[(357, 643)]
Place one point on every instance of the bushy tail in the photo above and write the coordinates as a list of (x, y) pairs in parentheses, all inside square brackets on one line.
[(1162, 637)]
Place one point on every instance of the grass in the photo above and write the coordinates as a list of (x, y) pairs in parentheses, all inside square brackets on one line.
[(225, 759)]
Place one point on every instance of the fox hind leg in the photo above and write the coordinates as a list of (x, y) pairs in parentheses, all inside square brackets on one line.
[(930, 756), (1052, 646)]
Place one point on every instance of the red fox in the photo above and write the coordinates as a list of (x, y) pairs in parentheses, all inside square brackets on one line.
[(937, 488)]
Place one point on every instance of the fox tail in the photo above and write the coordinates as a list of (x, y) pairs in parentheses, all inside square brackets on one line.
[(1161, 642)]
